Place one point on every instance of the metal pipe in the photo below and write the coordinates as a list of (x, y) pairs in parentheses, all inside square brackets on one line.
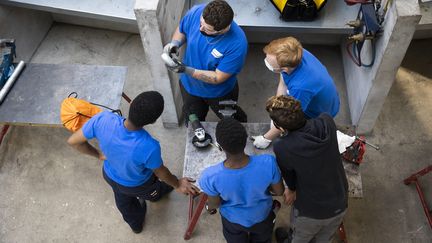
[(11, 80), (367, 143)]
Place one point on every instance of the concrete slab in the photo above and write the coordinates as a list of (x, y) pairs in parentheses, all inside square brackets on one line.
[(49, 193), (107, 14), (33, 26), (36, 96)]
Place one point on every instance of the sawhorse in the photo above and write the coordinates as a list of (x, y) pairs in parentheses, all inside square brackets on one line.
[(414, 179)]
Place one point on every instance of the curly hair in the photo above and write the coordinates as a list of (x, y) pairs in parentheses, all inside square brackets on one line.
[(286, 112), (231, 135), (288, 51), (146, 108), (218, 14)]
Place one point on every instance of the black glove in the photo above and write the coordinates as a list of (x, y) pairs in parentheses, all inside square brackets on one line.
[(179, 68)]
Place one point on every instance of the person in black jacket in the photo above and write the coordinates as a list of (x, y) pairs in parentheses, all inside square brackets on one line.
[(308, 157)]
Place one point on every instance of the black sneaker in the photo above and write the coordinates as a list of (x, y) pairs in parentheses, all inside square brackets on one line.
[(138, 229), (282, 235)]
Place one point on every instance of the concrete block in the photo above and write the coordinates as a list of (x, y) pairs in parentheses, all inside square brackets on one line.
[(27, 27), (106, 14), (368, 87), (157, 21)]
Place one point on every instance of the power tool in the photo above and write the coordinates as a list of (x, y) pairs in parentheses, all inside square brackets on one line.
[(201, 139)]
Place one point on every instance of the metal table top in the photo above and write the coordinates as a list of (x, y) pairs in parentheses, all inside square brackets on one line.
[(196, 160), (36, 96), (261, 15)]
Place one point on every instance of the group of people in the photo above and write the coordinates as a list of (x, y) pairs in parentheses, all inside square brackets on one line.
[(305, 145)]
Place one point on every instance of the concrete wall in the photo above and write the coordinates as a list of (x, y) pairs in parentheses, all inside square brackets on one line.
[(109, 24), (157, 21), (368, 87), (27, 27)]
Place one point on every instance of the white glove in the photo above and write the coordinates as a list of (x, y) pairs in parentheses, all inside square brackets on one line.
[(344, 141), (171, 48), (261, 142)]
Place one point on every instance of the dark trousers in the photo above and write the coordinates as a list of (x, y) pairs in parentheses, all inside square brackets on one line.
[(130, 201), (200, 106), (257, 233)]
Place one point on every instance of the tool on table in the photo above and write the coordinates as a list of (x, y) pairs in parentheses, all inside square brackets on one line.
[(201, 139), (355, 152), (367, 143)]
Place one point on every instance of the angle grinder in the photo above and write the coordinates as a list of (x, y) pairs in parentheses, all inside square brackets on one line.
[(201, 139)]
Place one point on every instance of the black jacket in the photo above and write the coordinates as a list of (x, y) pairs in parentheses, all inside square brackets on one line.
[(311, 165)]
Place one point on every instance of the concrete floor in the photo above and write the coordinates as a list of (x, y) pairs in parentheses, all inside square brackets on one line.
[(50, 193)]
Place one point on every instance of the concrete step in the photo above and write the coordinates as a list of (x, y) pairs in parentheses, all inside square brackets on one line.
[(109, 14), (424, 28)]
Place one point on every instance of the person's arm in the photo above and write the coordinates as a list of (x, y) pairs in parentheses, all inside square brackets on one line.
[(211, 77), (79, 142), (213, 202), (178, 37), (183, 185), (289, 196), (289, 177), (277, 189), (282, 88), (263, 141)]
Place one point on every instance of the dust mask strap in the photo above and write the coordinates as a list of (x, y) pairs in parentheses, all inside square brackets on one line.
[(270, 67)]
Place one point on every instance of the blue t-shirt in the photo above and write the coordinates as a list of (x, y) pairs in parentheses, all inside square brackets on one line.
[(244, 192), (313, 86), (131, 155), (226, 52)]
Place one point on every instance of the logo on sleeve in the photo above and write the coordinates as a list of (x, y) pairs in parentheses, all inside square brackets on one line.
[(216, 53)]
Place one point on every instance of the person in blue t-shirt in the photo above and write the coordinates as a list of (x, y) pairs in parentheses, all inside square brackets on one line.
[(240, 186), (132, 157), (215, 53), (303, 77)]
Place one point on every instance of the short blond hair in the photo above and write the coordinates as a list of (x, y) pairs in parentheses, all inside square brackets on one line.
[(288, 51)]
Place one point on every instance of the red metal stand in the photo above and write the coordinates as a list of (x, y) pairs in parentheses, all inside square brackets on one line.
[(3, 132), (126, 97), (194, 213), (414, 179), (342, 233)]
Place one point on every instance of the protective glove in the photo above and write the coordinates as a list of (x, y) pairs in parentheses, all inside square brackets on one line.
[(344, 141), (261, 142), (178, 68), (171, 48)]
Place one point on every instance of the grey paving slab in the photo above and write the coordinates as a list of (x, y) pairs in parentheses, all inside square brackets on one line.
[(37, 94), (197, 159)]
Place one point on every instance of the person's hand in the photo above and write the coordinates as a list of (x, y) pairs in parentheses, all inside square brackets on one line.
[(102, 156), (171, 48), (178, 68), (289, 196), (260, 142), (186, 186)]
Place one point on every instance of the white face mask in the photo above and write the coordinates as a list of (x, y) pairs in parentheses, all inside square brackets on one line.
[(270, 67)]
